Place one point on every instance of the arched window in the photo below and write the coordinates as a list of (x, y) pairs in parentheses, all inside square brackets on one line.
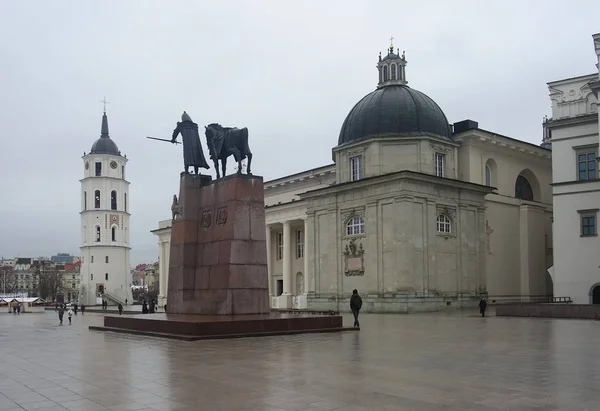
[(106, 276), (523, 189), (113, 231), (443, 224), (393, 72), (97, 199), (97, 234), (355, 226), (113, 200), (385, 73), (85, 200), (488, 175)]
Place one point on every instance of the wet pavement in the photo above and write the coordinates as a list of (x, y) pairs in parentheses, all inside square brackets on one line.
[(396, 362)]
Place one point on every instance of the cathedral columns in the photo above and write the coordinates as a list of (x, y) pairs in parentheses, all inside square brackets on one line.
[(308, 276), (285, 300), (269, 261), (287, 258)]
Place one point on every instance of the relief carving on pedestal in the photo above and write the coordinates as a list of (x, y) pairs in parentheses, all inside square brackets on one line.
[(354, 262), (206, 218), (221, 216)]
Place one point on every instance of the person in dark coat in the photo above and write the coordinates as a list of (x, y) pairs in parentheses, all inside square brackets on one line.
[(482, 306), (355, 306), (120, 308), (82, 308), (144, 308), (61, 313)]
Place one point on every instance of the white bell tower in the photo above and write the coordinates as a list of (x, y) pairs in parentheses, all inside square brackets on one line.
[(105, 264)]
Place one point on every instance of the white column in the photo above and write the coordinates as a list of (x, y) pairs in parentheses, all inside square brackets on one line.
[(287, 258), (307, 273), (162, 286), (269, 264)]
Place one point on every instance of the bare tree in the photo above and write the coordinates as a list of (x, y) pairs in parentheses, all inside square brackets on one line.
[(8, 280), (49, 279)]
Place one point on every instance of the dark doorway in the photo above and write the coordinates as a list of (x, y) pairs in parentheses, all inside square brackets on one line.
[(596, 295), (280, 287)]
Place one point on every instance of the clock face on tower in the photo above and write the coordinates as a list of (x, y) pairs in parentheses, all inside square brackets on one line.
[(113, 164), (87, 165)]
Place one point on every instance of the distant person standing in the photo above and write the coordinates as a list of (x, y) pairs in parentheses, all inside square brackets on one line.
[(120, 307), (355, 306), (75, 308), (126, 301), (70, 314), (82, 308), (482, 306)]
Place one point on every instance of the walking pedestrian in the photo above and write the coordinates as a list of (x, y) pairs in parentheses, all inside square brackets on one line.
[(120, 307), (355, 306), (482, 306), (61, 313), (126, 301), (82, 308), (70, 314)]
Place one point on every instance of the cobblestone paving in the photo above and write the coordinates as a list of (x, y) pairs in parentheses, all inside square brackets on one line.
[(396, 362)]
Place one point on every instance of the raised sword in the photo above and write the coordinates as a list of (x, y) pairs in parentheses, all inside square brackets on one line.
[(164, 139)]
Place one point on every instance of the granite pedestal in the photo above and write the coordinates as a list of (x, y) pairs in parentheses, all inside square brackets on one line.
[(218, 279)]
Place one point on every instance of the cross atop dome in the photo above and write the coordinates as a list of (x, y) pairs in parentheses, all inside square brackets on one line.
[(392, 67)]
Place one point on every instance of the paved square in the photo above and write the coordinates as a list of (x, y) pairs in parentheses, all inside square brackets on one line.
[(396, 362)]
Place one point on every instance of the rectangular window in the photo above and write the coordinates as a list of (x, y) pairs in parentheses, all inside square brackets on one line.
[(279, 246), (92, 260), (586, 165), (439, 164), (355, 168), (299, 244), (106, 259), (588, 222), (98, 169)]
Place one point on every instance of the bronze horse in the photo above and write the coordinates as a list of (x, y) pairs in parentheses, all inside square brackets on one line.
[(223, 142)]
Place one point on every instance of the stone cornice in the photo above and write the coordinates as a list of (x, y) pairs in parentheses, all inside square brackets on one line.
[(395, 139), (104, 177), (313, 174), (503, 143), (571, 121), (400, 175)]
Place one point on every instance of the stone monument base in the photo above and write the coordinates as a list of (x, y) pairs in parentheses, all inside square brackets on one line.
[(191, 327)]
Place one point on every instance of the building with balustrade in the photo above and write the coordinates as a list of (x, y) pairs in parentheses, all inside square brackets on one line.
[(415, 213), (573, 133)]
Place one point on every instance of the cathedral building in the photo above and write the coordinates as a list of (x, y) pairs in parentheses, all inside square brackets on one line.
[(415, 213), (104, 224)]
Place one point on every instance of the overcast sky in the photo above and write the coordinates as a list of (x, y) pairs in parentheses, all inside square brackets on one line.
[(289, 71)]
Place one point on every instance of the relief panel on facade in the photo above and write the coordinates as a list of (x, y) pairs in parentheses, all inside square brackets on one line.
[(354, 262)]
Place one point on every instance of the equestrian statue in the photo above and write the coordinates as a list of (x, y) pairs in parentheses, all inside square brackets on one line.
[(223, 142)]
